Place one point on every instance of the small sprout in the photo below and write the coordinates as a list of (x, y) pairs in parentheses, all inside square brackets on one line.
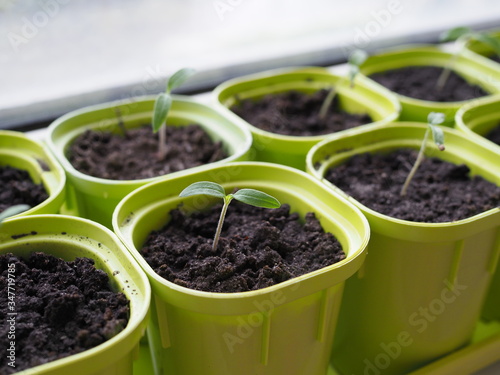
[(162, 107), (433, 120), (13, 210), (356, 58), (249, 196), (121, 125), (462, 36)]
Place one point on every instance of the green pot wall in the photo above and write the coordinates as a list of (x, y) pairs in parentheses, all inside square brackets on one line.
[(18, 151), (420, 291), (478, 118), (475, 71), (283, 329), (84, 238), (95, 198), (475, 120), (365, 97)]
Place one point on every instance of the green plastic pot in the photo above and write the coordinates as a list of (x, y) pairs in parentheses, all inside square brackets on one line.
[(477, 119), (18, 151), (95, 198), (365, 97), (283, 329), (473, 70), (420, 291), (83, 238)]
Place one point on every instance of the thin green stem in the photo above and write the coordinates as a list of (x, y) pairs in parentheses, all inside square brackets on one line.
[(326, 103), (227, 200), (420, 157), (162, 142), (447, 70)]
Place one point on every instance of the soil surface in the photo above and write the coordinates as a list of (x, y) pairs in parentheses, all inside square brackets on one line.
[(419, 82), (63, 308), (296, 113), (494, 135), (258, 248), (115, 157), (495, 58), (16, 187), (439, 192)]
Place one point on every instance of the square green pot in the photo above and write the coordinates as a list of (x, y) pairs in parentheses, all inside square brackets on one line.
[(365, 97), (18, 151), (287, 328), (475, 71), (421, 289), (95, 198), (477, 119), (83, 238)]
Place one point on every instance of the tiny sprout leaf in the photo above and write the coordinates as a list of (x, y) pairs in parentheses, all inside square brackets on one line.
[(162, 106), (256, 198), (435, 118), (357, 57), (204, 188), (178, 78), (454, 34), (490, 41), (438, 136), (13, 210)]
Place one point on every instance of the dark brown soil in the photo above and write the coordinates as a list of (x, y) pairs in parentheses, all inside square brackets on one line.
[(258, 248), (494, 135), (439, 192), (62, 308), (16, 187), (419, 82), (114, 157), (495, 58), (296, 113)]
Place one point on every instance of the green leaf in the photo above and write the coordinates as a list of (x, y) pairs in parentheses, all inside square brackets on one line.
[(13, 210), (204, 188), (489, 40), (160, 112), (178, 78), (357, 57), (435, 118), (256, 198), (454, 34), (438, 136)]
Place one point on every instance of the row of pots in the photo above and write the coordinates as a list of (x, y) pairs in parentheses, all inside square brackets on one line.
[(187, 324)]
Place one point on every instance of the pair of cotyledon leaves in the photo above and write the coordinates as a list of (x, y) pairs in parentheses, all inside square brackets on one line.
[(466, 34), (163, 102), (249, 196)]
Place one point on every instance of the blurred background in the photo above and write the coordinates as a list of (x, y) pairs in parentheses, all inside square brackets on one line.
[(60, 55)]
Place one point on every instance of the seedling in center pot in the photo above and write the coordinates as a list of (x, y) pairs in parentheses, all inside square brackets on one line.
[(355, 60), (13, 210), (121, 124), (249, 196), (433, 121), (462, 36), (162, 107)]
